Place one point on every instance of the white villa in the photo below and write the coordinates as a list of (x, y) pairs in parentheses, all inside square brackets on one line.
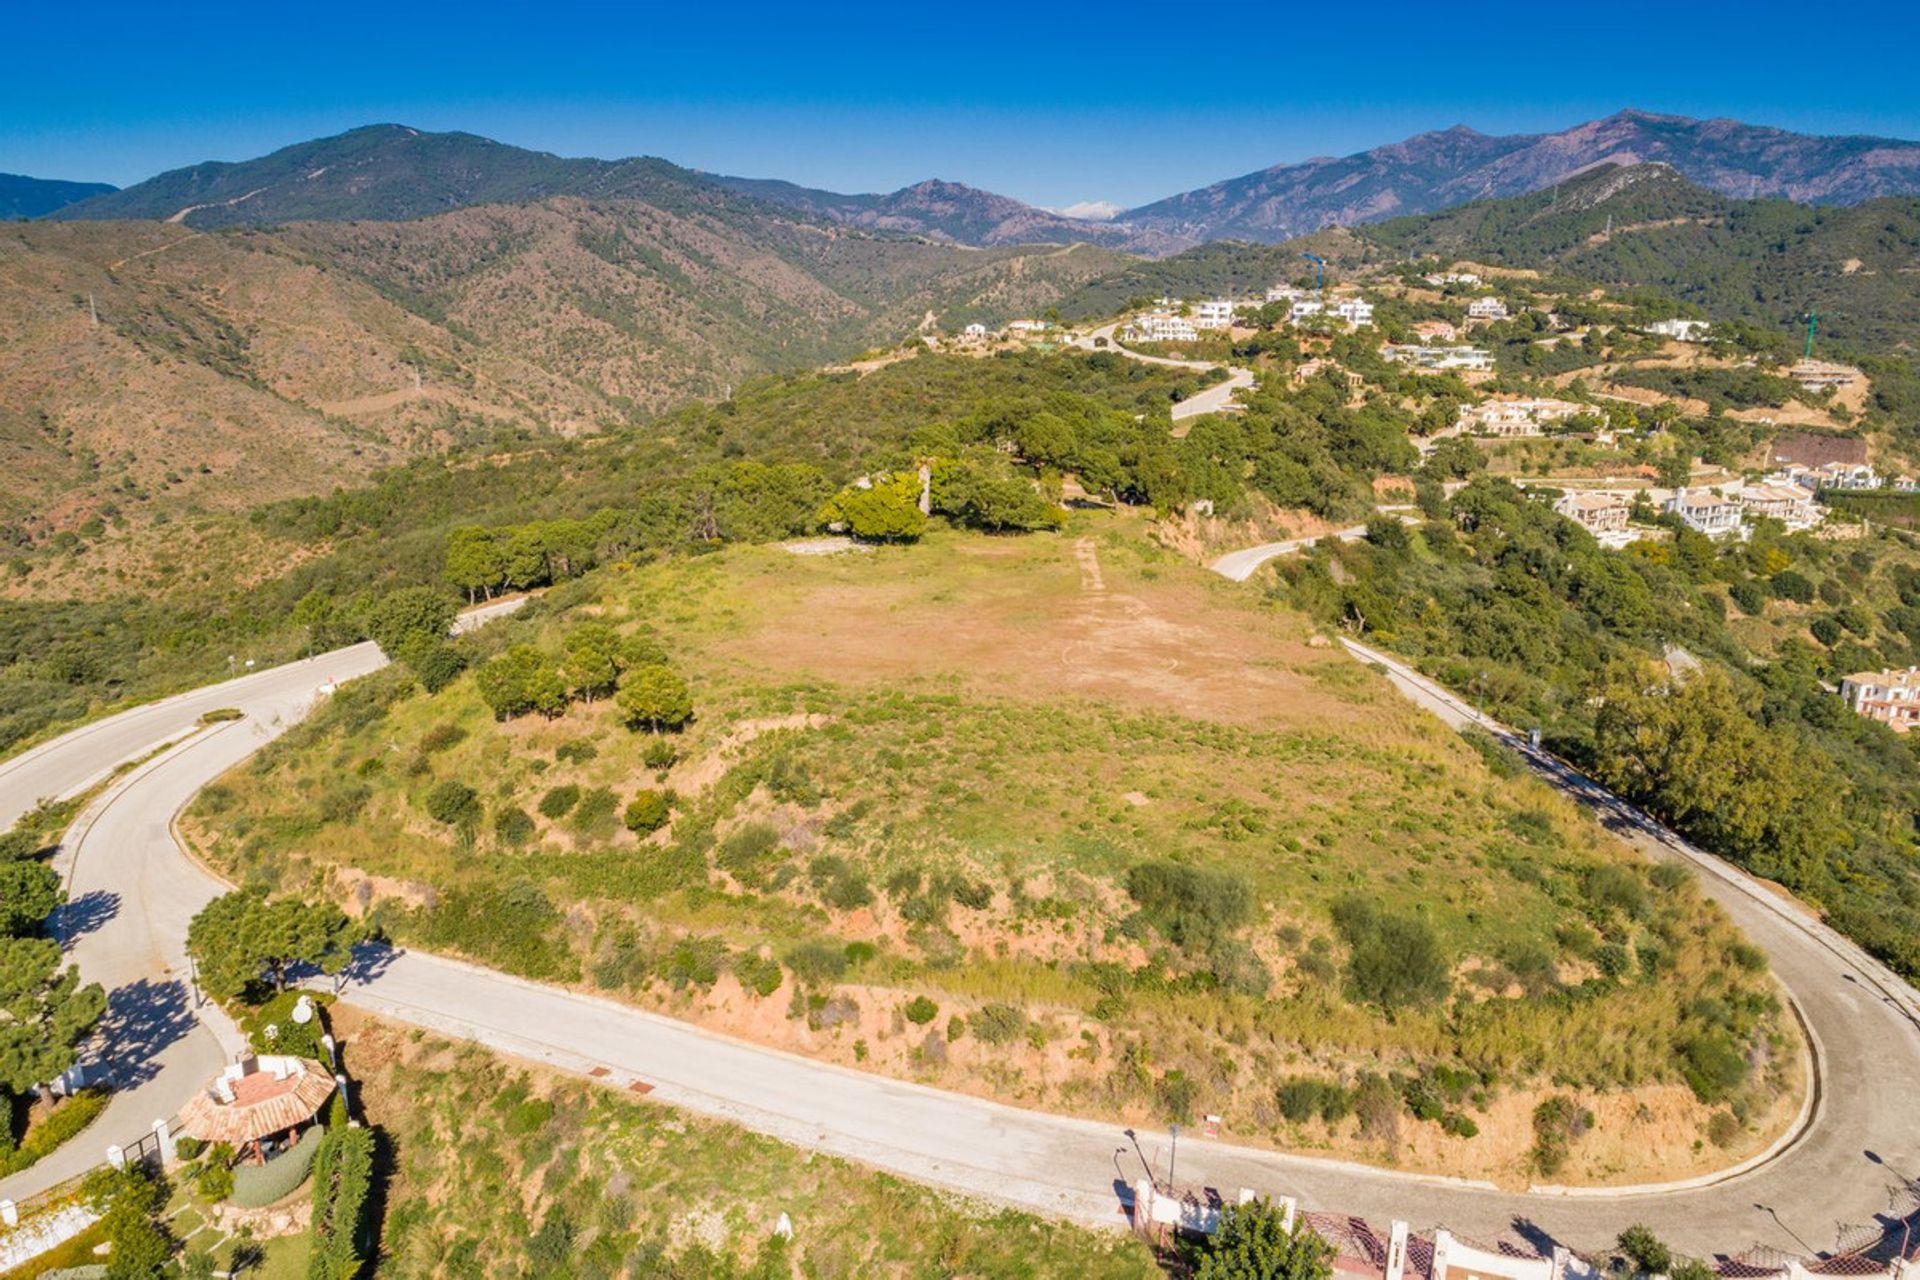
[(1028, 326), (1214, 314), (1523, 417), (975, 332), (1436, 331), (1602, 514), (1487, 308), (1706, 511), (1304, 307), (1891, 697), (1789, 503), (1681, 330), (1354, 311), (1834, 475), (1818, 375), (1162, 326), (1282, 293), (1453, 277), (1422, 357)]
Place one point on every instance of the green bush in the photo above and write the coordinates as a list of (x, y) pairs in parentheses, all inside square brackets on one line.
[(1647, 1253), (1000, 1023), (646, 813), (578, 751), (747, 848), (1394, 961), (1557, 1123), (255, 1185), (817, 962), (1175, 1093), (559, 800), (757, 973), (453, 803), (660, 754), (1712, 1064), (343, 1178), (301, 1040), (594, 815), (529, 1116), (512, 827), (66, 1121), (920, 1011), (1191, 906)]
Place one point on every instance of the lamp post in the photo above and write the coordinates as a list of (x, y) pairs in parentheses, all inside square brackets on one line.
[(1173, 1154), (193, 978)]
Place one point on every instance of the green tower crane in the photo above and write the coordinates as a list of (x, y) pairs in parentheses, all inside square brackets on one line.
[(1813, 320)]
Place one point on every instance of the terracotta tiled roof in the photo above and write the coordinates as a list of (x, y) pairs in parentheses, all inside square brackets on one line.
[(262, 1106)]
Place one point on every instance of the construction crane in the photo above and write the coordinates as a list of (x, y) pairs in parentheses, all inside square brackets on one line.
[(1813, 322), (1319, 270)]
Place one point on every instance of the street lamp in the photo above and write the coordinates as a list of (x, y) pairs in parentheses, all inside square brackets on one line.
[(1173, 1153), (193, 978)]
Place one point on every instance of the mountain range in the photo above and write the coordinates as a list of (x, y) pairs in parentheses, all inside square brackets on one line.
[(392, 172), (24, 197)]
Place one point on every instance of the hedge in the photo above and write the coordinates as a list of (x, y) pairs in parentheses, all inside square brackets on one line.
[(258, 1185), (342, 1181), (66, 1122)]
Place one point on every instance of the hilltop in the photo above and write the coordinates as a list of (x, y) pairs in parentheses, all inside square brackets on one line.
[(1436, 170), (24, 197)]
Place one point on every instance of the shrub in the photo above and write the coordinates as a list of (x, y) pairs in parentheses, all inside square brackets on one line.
[(299, 1038), (646, 813), (757, 973), (1175, 1093), (1612, 887), (529, 1115), (1377, 1105), (67, 1120), (1394, 961), (660, 754), (1646, 1251), (1723, 1129), (558, 801), (956, 1028), (1712, 1065), (1458, 1125), (693, 962), (1190, 906), (920, 1011), (1253, 1242), (255, 1185), (817, 962), (655, 697), (1557, 1123), (593, 816), (999, 1023), (1788, 585), (746, 848), (1750, 596), (215, 1181), (453, 803), (578, 751), (512, 827), (343, 1179)]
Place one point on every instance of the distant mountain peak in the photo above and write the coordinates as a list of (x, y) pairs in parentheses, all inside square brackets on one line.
[(1447, 167)]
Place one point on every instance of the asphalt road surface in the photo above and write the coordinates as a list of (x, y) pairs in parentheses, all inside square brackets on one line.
[(1860, 1140)]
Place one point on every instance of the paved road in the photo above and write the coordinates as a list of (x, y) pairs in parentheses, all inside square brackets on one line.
[(1833, 1175), (1212, 400), (1240, 565), (131, 892)]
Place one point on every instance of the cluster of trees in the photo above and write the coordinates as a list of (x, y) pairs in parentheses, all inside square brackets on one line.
[(595, 662), (1752, 756), (45, 1011), (245, 944)]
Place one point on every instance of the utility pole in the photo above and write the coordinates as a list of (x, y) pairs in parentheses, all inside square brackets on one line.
[(1173, 1153), (93, 310)]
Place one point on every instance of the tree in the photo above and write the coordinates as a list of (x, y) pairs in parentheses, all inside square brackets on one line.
[(409, 616), (473, 560), (453, 803), (132, 1199), (1253, 1242), (29, 892), (521, 680), (886, 510), (1395, 961), (244, 939), (45, 1013), (592, 664), (655, 697)]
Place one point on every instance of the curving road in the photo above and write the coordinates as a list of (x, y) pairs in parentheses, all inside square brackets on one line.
[(1212, 400), (131, 891), (1864, 1133)]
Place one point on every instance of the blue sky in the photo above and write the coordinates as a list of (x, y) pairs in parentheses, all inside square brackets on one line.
[(1053, 102)]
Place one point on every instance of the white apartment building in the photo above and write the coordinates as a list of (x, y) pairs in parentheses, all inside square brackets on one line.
[(1423, 357), (1162, 326), (1487, 308), (1305, 307), (1453, 277), (1523, 417), (1706, 511), (1355, 311), (1283, 293), (1789, 503), (1216, 313), (1681, 330)]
